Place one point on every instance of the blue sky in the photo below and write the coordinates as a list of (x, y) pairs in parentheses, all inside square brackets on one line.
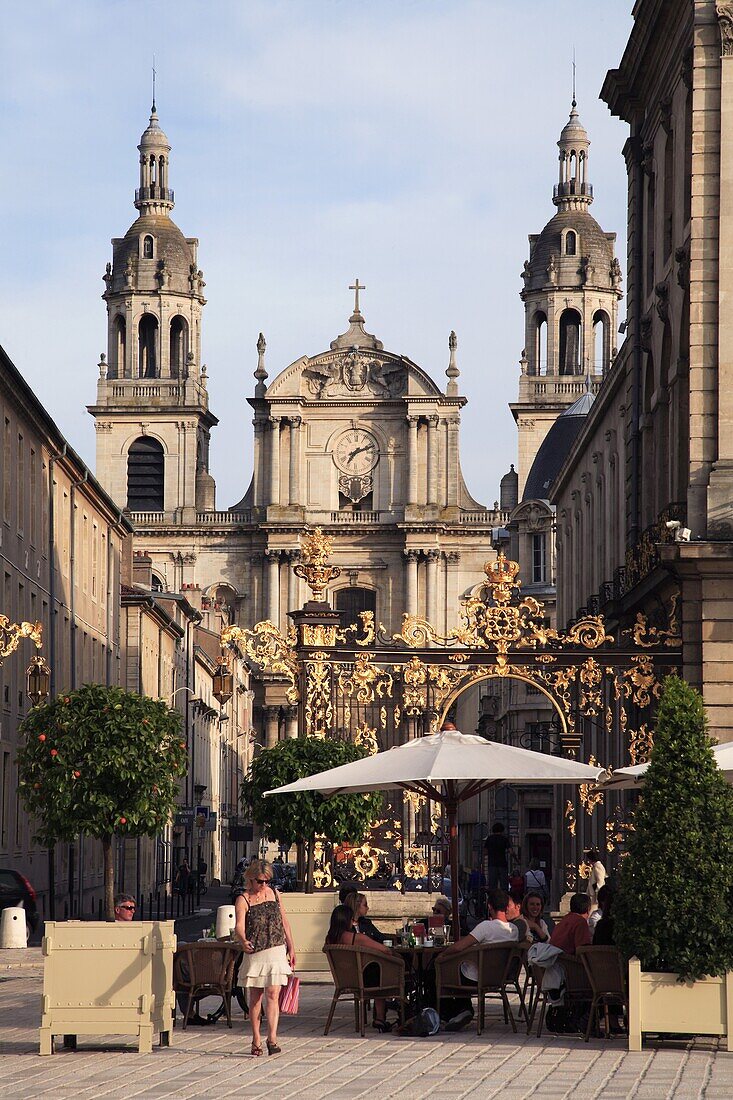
[(411, 143)]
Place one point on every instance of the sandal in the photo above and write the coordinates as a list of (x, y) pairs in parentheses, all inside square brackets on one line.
[(256, 1050), (273, 1048), (382, 1026)]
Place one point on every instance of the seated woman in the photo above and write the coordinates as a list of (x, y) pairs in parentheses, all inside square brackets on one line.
[(342, 932), (533, 905), (603, 928), (360, 907)]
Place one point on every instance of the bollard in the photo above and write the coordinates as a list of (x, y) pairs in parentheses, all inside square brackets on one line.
[(12, 927), (224, 922)]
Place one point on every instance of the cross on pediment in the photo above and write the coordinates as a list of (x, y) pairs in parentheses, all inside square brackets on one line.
[(356, 287)]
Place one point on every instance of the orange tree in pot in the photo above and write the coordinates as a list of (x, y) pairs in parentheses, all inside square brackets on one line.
[(104, 762)]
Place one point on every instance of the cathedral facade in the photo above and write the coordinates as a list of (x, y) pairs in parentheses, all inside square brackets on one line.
[(355, 439)]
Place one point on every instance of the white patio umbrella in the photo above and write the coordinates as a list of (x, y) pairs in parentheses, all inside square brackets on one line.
[(633, 778), (448, 767)]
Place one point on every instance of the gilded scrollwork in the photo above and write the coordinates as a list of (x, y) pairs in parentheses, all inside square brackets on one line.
[(590, 794), (415, 678), (270, 649), (363, 680), (641, 743), (366, 737), (647, 636), (318, 709), (315, 550), (319, 634), (591, 678)]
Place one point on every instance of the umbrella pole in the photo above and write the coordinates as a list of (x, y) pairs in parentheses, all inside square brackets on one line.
[(451, 809)]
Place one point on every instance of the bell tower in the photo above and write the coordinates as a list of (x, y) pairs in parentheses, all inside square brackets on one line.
[(572, 287), (152, 410)]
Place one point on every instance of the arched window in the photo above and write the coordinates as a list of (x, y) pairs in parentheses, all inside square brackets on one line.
[(601, 342), (156, 584), (147, 247), (540, 363), (570, 342), (349, 602), (119, 347), (539, 558), (571, 243), (178, 346), (148, 346), (145, 475)]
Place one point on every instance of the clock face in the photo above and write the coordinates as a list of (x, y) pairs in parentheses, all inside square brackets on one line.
[(356, 452)]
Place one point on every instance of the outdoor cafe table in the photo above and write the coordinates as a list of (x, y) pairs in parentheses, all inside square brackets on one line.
[(418, 958)]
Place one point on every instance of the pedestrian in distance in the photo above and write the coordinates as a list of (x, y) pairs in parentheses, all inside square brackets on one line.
[(124, 906), (497, 847)]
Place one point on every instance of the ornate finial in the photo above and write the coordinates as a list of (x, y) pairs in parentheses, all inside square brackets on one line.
[(153, 107), (315, 550), (502, 577), (260, 373), (356, 287), (452, 372), (574, 101)]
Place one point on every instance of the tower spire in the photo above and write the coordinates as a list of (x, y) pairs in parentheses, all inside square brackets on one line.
[(154, 196), (153, 107), (573, 190)]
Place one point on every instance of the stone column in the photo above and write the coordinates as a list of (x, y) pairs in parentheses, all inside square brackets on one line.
[(295, 422), (453, 423), (452, 591), (258, 603), (431, 585), (432, 495), (273, 586), (291, 722), (411, 581), (293, 586), (258, 471), (274, 460), (272, 726), (720, 490), (412, 460)]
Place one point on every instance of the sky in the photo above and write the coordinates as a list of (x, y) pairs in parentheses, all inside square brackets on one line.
[(411, 143)]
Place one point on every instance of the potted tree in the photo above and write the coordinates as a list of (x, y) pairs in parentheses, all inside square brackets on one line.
[(106, 762), (672, 914)]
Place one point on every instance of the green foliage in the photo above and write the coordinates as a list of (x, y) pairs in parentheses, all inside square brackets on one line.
[(101, 761), (293, 817), (673, 908)]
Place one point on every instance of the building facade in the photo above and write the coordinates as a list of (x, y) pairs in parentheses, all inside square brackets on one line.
[(644, 504), (63, 552)]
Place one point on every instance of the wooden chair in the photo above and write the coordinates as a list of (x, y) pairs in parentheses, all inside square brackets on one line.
[(606, 972), (347, 964), (497, 965), (205, 970), (538, 998)]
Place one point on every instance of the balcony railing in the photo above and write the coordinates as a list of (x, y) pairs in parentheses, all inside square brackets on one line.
[(132, 387), (572, 188), (148, 519), (355, 517), (219, 519), (150, 194)]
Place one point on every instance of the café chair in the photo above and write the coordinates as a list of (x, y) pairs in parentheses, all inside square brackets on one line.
[(205, 970), (347, 964), (606, 972), (498, 967)]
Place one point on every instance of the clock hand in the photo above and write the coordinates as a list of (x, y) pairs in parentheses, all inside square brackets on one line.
[(366, 447)]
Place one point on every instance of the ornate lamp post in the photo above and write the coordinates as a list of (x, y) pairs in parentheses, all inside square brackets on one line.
[(223, 686), (38, 674)]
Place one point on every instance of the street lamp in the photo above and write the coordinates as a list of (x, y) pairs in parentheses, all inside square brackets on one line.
[(38, 680), (223, 685)]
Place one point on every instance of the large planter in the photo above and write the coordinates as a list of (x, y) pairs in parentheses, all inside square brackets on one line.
[(661, 1003), (108, 978)]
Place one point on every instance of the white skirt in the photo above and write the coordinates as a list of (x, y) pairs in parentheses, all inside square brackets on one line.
[(265, 968)]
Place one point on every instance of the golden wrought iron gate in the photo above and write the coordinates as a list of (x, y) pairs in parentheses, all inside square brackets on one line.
[(360, 682)]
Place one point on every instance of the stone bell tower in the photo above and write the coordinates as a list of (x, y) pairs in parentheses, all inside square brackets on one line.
[(152, 411), (572, 286)]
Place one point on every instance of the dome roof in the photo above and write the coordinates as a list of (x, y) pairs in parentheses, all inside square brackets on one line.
[(592, 242), (153, 136), (574, 130), (171, 245), (555, 448)]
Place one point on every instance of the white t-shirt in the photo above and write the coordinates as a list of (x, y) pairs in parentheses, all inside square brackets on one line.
[(489, 931)]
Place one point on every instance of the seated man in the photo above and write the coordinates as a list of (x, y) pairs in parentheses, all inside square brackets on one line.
[(459, 1010), (514, 916), (572, 931)]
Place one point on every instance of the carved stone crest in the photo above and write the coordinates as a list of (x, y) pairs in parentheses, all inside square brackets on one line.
[(355, 372), (724, 12)]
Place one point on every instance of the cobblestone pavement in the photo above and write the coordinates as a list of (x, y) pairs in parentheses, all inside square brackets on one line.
[(214, 1061)]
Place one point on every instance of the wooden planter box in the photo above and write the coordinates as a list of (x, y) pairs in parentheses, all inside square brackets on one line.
[(661, 1003), (108, 978)]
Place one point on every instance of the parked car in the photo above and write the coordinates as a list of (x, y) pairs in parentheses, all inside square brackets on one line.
[(15, 889)]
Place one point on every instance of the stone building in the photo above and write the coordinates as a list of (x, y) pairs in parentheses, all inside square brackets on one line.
[(644, 512), (63, 547), (356, 439)]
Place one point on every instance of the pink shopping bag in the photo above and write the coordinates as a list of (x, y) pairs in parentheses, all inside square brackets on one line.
[(289, 996)]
